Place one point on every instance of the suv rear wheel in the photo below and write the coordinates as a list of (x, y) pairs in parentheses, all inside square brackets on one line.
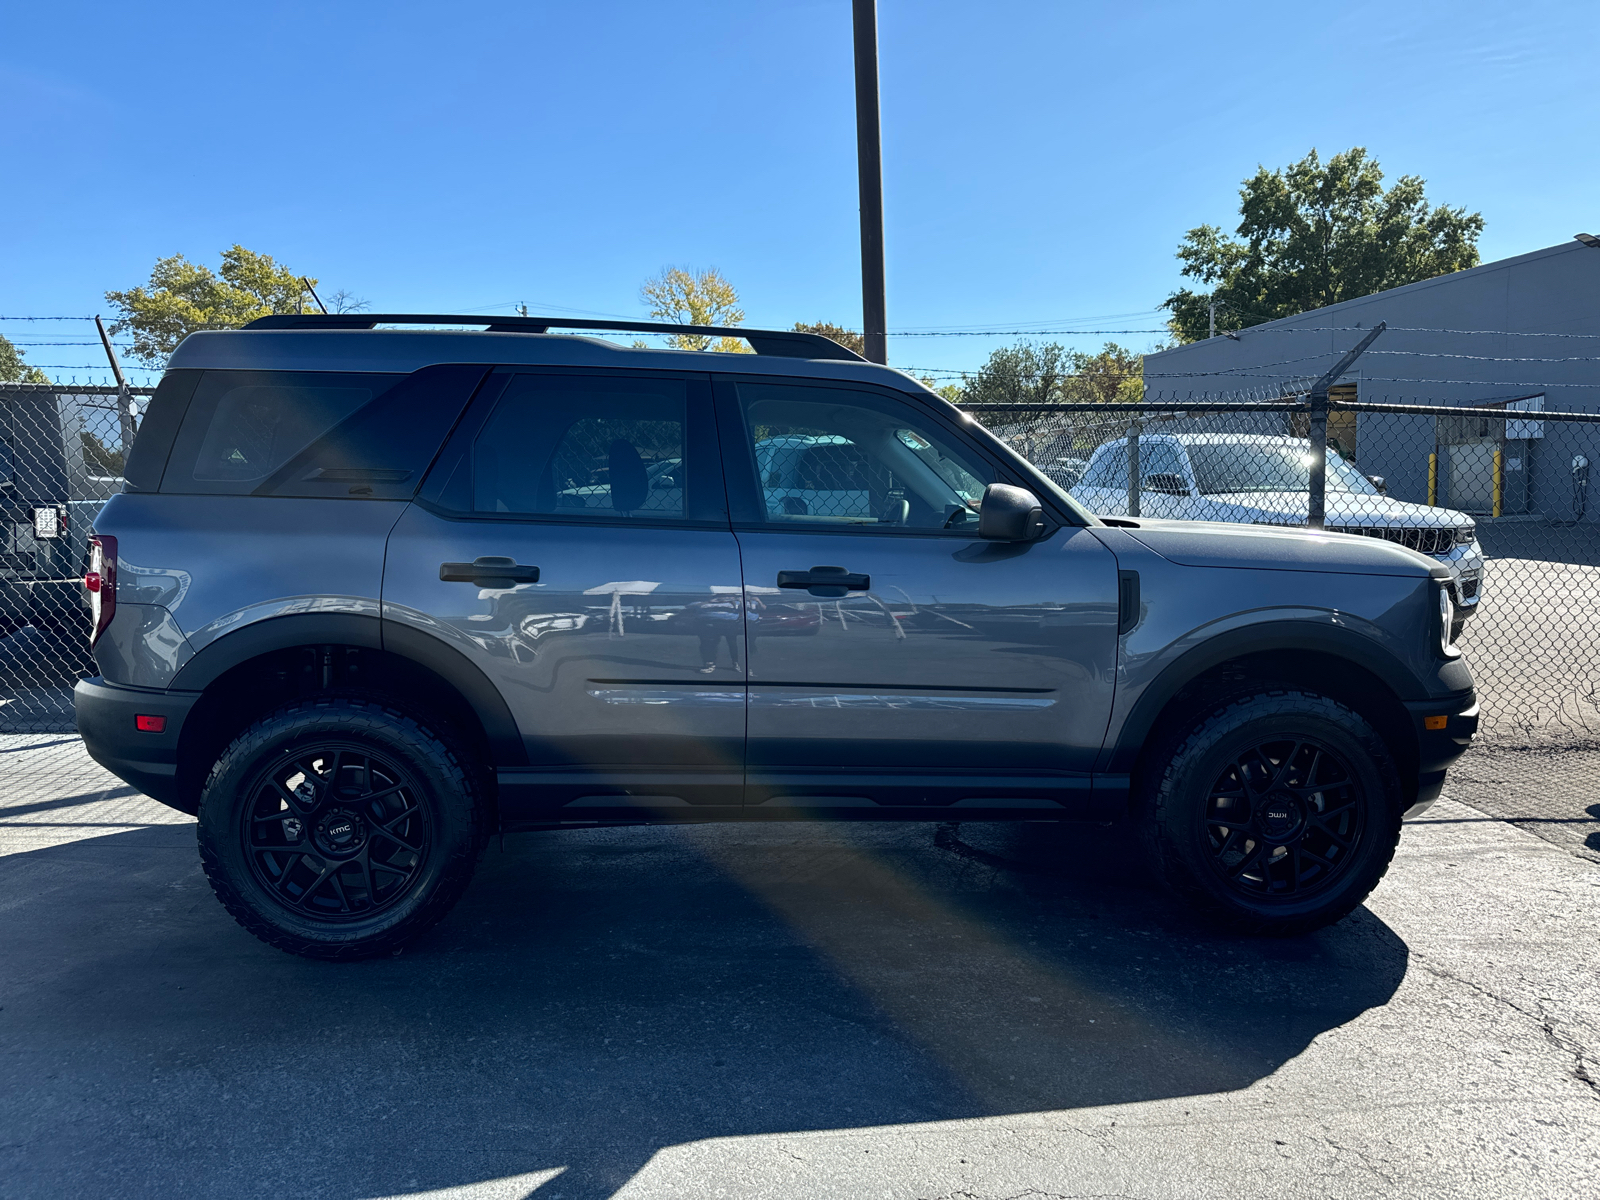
[(1276, 812), (339, 828)]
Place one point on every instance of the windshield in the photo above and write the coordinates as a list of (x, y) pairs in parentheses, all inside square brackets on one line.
[(1225, 468)]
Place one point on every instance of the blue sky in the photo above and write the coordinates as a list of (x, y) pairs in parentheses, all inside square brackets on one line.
[(1042, 160)]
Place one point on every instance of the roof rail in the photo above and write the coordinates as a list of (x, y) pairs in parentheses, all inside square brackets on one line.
[(781, 342)]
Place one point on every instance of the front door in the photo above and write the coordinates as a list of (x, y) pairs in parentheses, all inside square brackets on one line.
[(573, 543), (896, 659)]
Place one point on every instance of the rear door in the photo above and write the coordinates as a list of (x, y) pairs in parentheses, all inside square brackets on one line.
[(573, 542), (896, 659)]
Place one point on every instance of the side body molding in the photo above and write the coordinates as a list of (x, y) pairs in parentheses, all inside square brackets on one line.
[(370, 633), (1289, 637)]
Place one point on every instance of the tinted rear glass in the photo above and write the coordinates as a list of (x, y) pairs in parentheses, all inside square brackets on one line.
[(242, 426)]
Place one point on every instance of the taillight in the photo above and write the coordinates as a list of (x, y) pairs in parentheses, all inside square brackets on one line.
[(101, 582)]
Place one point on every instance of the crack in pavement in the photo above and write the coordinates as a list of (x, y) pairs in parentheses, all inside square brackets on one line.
[(1580, 1054)]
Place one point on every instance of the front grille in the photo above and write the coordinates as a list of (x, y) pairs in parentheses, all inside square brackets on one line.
[(1429, 540)]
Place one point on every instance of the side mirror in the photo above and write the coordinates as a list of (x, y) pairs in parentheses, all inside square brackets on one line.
[(1377, 481), (1009, 514)]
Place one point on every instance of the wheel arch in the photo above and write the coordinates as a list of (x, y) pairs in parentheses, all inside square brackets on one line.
[(247, 673), (1340, 664)]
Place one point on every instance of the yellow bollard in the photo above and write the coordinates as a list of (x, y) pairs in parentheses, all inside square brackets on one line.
[(1499, 483), (1433, 480)]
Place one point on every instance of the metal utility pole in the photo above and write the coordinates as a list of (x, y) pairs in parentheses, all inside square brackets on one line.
[(1316, 504), (869, 157)]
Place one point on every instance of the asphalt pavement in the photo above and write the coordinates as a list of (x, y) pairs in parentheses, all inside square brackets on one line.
[(792, 1010)]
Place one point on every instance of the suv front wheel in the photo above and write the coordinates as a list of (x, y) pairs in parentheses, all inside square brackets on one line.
[(1276, 812), (339, 828)]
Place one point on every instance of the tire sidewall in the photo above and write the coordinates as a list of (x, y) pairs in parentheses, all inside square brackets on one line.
[(442, 787), (1185, 787)]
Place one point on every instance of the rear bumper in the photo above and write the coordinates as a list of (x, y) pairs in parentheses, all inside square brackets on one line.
[(148, 761), (1444, 729)]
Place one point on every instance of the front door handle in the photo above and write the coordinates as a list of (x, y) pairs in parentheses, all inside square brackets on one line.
[(826, 583), (488, 571)]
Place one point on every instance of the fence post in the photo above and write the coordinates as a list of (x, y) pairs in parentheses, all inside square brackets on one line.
[(1316, 510), (1134, 482), (125, 421)]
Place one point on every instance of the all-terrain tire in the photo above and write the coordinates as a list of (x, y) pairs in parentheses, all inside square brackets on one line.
[(1275, 812), (340, 828)]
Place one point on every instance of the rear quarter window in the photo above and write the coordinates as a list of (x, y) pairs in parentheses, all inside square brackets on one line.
[(242, 426), (316, 434)]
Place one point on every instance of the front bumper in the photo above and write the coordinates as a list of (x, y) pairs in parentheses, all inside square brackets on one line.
[(148, 761), (1444, 729), (1465, 564)]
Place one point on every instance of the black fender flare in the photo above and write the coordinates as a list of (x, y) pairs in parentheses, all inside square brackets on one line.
[(1296, 636), (369, 633)]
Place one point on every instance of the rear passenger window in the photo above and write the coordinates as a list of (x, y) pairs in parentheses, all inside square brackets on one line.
[(242, 426), (596, 449)]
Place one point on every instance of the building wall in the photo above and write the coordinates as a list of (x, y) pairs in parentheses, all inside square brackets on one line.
[(1448, 342)]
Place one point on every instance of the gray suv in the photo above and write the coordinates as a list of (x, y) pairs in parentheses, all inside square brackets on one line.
[(370, 595)]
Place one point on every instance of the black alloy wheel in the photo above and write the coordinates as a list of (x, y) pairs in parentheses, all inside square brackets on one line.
[(341, 827), (1284, 818), (1272, 812), (337, 831)]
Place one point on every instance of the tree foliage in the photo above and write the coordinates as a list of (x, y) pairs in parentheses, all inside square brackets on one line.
[(695, 298), (1052, 374), (14, 370), (183, 297), (1313, 234), (848, 338)]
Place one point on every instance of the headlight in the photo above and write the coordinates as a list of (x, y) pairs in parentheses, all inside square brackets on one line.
[(1447, 617), (1465, 534)]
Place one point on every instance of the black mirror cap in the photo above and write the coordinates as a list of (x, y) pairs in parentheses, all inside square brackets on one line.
[(1379, 482), (1009, 514)]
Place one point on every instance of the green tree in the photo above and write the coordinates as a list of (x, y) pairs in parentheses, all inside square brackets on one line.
[(1313, 234), (695, 298), (1052, 374), (848, 338), (14, 370), (183, 297)]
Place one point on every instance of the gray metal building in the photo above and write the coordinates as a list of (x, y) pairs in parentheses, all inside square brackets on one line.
[(1519, 334)]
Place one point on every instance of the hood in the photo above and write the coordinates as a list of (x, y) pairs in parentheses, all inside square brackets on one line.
[(1345, 508), (1268, 548)]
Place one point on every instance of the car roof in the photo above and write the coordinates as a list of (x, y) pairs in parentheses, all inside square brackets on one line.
[(407, 350)]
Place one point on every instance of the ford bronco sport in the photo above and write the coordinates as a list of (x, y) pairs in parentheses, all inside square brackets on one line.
[(369, 595)]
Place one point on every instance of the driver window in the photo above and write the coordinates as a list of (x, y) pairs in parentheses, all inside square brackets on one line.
[(826, 457)]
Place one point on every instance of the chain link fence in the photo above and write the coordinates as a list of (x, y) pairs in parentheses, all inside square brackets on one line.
[(1499, 494), (62, 447)]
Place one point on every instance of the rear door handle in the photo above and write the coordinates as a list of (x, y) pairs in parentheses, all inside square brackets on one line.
[(827, 583), (488, 571)]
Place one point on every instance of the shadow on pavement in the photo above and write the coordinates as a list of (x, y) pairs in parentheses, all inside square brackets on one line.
[(600, 995)]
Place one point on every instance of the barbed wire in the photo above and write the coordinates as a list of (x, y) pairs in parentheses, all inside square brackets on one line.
[(1483, 357)]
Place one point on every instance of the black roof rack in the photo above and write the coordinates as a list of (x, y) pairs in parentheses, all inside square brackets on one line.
[(784, 343)]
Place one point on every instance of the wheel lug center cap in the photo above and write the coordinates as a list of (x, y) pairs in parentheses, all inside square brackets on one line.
[(339, 832), (1280, 816)]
